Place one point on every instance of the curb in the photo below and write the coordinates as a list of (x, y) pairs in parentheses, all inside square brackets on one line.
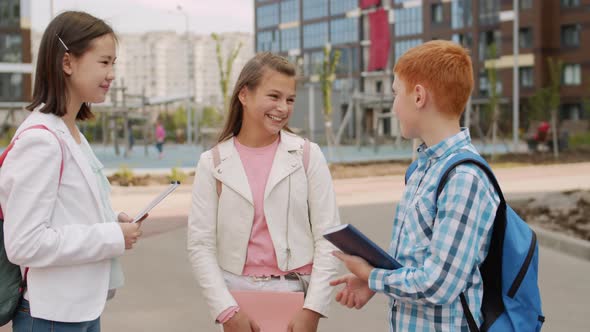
[(563, 243)]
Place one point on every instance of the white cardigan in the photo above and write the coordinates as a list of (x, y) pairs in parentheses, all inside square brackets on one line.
[(219, 227), (58, 233)]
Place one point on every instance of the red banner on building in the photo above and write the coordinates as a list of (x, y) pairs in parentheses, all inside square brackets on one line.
[(369, 3), (380, 40)]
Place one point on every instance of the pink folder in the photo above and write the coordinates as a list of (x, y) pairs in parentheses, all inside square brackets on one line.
[(272, 311)]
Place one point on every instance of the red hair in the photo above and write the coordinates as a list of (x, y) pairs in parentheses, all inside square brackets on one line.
[(442, 67)]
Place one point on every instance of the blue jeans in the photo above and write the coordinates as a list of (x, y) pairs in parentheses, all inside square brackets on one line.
[(23, 322)]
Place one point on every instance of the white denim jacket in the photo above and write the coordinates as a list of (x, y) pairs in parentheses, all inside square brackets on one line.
[(219, 227)]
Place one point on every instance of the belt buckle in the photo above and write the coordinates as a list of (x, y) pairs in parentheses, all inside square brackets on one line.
[(261, 279)]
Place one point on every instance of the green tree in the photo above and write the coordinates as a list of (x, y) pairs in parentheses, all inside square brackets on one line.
[(327, 76), (554, 98), (225, 73), (493, 97)]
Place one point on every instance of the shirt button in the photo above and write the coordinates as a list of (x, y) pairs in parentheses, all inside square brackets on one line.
[(219, 171)]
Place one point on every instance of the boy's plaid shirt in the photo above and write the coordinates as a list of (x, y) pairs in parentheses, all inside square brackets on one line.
[(439, 246)]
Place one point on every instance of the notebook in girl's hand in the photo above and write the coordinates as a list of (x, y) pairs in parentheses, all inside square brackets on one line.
[(351, 241)]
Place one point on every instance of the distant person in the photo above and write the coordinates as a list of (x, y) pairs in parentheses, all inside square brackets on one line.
[(541, 136), (59, 225), (160, 138), (440, 245), (130, 133), (260, 227)]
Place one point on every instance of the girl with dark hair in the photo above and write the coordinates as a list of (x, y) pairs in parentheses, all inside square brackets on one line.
[(262, 199), (59, 224)]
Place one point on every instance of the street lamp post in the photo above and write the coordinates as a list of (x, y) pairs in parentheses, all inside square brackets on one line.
[(189, 73), (515, 81)]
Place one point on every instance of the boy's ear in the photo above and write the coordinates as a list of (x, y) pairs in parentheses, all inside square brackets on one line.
[(66, 64), (419, 96)]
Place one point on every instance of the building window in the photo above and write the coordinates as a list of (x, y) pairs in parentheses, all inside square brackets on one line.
[(437, 13), (289, 39), (402, 46), (10, 13), (408, 21), (267, 16), (525, 4), (314, 9), (344, 30), (342, 6), (484, 84), (11, 87), (463, 39), (570, 35), (571, 112), (461, 14), (312, 63), (525, 37), (267, 41), (11, 47), (526, 77), (489, 12), (572, 74), (315, 35), (349, 61), (486, 40), (570, 3), (289, 11)]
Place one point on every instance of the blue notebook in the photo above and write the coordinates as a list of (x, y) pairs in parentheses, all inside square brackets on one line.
[(351, 241)]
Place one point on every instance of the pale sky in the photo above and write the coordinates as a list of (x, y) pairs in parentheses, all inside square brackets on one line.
[(204, 16)]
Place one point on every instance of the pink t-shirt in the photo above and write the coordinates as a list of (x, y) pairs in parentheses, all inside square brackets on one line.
[(261, 259)]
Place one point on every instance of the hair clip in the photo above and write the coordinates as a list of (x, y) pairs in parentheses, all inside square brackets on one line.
[(62, 42)]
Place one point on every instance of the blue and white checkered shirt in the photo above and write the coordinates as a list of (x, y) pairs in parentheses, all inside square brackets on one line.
[(440, 247)]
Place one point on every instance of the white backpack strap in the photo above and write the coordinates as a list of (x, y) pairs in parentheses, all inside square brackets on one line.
[(306, 155), (216, 162)]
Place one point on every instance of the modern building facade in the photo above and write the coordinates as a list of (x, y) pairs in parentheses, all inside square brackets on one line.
[(164, 64), (372, 34), (15, 53)]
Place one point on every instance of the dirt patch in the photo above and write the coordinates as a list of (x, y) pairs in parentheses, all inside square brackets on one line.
[(566, 212)]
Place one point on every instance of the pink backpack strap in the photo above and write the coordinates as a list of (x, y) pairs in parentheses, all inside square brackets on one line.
[(10, 146), (23, 284), (216, 162), (306, 155)]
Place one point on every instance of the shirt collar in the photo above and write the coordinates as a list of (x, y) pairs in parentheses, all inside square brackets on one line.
[(445, 147)]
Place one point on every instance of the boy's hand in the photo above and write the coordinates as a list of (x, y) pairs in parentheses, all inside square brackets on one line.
[(358, 266), (355, 294)]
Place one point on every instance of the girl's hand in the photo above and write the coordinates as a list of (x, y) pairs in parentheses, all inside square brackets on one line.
[(131, 233), (304, 321), (123, 217), (355, 294), (240, 322)]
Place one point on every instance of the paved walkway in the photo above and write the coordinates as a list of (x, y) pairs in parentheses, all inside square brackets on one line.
[(161, 294)]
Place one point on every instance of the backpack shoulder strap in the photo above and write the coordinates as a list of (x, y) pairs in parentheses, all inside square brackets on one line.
[(464, 158), (216, 162), (306, 147), (11, 145), (410, 170)]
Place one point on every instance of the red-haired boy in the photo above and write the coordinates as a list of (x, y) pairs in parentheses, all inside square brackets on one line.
[(440, 241)]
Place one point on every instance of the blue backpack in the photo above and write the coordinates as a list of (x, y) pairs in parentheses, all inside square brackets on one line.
[(512, 302)]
